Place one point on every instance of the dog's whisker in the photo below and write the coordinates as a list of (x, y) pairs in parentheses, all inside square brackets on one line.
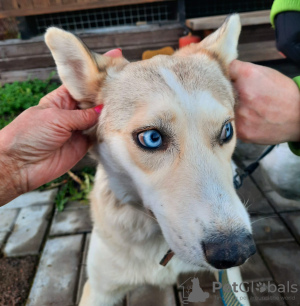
[(252, 222), (246, 204)]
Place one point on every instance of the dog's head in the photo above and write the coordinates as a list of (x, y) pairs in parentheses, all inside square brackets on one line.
[(166, 136)]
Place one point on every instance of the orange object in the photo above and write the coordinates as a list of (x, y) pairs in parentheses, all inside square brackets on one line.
[(150, 53), (188, 39)]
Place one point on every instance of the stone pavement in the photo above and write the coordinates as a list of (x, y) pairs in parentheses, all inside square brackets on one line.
[(58, 241)]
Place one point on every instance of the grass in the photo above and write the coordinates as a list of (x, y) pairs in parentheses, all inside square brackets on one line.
[(17, 97)]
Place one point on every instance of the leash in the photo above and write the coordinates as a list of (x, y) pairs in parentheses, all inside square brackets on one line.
[(241, 174), (227, 295)]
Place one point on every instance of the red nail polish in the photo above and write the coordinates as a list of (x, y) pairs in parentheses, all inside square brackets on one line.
[(98, 108), (119, 49)]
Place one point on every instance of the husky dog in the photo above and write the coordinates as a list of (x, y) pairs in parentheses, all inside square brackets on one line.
[(164, 143)]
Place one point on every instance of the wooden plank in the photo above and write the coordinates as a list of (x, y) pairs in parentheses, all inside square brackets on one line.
[(10, 11), (24, 4), (46, 60), (253, 52), (104, 41), (54, 2), (257, 33), (40, 4), (247, 52), (259, 51), (23, 75), (67, 2), (26, 62), (213, 22), (9, 5)]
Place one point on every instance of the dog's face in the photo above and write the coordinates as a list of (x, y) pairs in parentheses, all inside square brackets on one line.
[(166, 136)]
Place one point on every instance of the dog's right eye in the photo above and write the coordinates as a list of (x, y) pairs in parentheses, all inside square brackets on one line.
[(150, 139)]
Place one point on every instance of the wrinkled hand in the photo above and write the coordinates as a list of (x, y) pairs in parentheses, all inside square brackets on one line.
[(268, 111), (44, 141)]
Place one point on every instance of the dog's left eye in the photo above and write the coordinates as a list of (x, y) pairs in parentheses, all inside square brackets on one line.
[(227, 133), (150, 139)]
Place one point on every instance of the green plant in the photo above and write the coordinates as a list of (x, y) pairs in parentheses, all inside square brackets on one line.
[(18, 96), (72, 186)]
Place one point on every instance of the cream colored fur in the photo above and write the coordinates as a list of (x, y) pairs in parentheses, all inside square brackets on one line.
[(187, 185)]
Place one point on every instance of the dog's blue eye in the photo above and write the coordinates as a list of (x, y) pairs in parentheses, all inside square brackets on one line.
[(227, 132), (150, 139)]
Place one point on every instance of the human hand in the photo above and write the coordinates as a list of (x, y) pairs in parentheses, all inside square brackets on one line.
[(268, 111), (44, 141)]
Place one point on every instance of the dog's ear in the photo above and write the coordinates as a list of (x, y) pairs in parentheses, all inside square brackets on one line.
[(224, 41), (81, 71)]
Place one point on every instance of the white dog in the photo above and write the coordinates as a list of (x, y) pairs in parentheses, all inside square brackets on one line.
[(164, 143)]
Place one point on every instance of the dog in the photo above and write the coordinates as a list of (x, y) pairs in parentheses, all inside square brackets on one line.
[(164, 143)]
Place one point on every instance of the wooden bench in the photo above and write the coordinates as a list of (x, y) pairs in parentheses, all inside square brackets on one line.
[(20, 59), (213, 22), (257, 41)]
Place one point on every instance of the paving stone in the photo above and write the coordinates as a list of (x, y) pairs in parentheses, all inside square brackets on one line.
[(71, 222), (269, 229), (32, 198), (83, 272), (214, 299), (2, 238), (293, 222), (55, 280), (150, 295), (255, 200), (282, 204), (82, 280), (86, 249), (206, 279), (283, 261), (255, 269), (7, 219), (76, 205), (261, 181), (29, 231), (258, 298), (246, 151)]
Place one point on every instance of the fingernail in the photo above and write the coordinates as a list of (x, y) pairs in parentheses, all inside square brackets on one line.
[(98, 108), (119, 49)]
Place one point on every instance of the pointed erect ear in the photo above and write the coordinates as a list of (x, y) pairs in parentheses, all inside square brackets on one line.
[(81, 71), (224, 41)]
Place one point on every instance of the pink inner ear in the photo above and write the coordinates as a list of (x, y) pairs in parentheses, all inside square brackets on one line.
[(114, 53)]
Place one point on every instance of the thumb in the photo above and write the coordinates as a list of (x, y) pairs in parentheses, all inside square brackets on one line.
[(234, 69), (82, 119)]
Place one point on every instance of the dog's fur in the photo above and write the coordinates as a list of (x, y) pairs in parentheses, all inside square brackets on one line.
[(186, 184)]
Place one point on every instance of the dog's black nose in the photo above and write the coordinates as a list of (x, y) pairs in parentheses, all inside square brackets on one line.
[(224, 252)]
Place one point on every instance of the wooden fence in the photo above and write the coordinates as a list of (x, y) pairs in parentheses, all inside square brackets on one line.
[(9, 8)]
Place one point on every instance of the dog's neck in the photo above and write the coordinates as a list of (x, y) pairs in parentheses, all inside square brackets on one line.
[(119, 208), (122, 187)]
